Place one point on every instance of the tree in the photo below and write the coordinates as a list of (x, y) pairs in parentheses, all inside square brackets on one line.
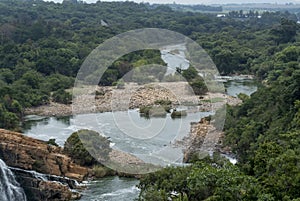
[(87, 147), (285, 32), (62, 96), (204, 180), (8, 120)]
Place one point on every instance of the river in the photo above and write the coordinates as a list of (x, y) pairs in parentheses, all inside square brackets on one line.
[(167, 131), (115, 188), (111, 189), (236, 87)]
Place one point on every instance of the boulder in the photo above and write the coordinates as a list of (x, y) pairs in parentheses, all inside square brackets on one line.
[(46, 187)]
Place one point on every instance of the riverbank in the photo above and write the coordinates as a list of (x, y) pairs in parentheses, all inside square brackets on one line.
[(43, 170), (108, 98), (47, 172), (104, 94)]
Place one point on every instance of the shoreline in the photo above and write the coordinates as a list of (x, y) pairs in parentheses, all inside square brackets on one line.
[(201, 135), (133, 96)]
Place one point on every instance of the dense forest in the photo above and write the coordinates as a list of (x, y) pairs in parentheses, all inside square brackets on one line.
[(264, 133), (43, 44)]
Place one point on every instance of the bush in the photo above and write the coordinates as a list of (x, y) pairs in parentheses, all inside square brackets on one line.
[(87, 147), (153, 111), (61, 96), (120, 84), (100, 171), (52, 142), (198, 86), (178, 114)]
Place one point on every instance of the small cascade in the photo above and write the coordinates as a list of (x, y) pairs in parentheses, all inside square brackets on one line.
[(32, 173), (73, 184), (10, 189)]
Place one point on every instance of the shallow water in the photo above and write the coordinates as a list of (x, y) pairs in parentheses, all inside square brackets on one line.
[(130, 133), (236, 87), (111, 189), (167, 129), (127, 130)]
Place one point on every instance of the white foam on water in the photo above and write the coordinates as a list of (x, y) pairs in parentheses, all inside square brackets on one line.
[(119, 192), (10, 189)]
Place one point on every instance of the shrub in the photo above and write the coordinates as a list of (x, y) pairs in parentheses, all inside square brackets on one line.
[(87, 147), (52, 142), (178, 114), (153, 111), (61, 96), (100, 171)]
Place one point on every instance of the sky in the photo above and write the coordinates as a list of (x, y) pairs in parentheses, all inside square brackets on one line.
[(211, 1), (199, 1)]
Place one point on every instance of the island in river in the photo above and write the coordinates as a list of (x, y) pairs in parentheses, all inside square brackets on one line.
[(142, 95)]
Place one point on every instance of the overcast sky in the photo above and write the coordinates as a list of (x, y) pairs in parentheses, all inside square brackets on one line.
[(211, 1), (199, 1)]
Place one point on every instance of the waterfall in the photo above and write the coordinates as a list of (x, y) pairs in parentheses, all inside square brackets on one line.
[(32, 173), (10, 189)]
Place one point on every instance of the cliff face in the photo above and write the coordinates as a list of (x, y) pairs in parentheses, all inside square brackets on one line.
[(25, 153), (45, 187), (18, 150)]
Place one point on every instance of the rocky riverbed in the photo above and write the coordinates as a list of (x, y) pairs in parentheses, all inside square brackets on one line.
[(105, 99)]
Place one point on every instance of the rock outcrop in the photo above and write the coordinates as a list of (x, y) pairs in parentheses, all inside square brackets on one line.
[(203, 138), (46, 187), (21, 151), (24, 153)]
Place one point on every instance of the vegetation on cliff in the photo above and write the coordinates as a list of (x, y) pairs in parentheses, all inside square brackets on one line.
[(87, 147), (264, 134), (210, 179)]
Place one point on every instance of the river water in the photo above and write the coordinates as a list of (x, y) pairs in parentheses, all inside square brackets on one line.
[(111, 189), (166, 130), (10, 189), (236, 87), (115, 188)]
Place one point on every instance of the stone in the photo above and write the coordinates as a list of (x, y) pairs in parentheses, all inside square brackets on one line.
[(28, 157), (18, 150)]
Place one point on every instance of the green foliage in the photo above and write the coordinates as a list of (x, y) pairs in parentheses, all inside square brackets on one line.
[(153, 111), (243, 97), (264, 130), (198, 86), (135, 67), (8, 120), (190, 73), (40, 54), (100, 171), (159, 109), (178, 114), (87, 147), (203, 180), (62, 96), (163, 102), (52, 142), (120, 84), (285, 32), (195, 80), (166, 104)]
